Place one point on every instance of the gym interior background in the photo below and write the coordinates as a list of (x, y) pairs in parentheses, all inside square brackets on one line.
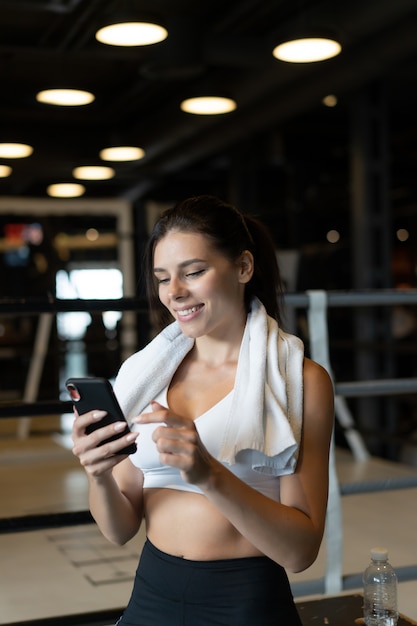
[(324, 152)]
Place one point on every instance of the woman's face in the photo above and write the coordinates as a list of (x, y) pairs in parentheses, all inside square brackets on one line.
[(202, 289)]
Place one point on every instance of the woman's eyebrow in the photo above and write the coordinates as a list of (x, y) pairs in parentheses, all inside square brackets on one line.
[(181, 265)]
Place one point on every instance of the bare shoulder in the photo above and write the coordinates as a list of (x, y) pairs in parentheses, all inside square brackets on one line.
[(318, 392), (316, 374)]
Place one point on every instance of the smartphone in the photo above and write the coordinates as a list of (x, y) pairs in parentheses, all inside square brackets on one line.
[(97, 393)]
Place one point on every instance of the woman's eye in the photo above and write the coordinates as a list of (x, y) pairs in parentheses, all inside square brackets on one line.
[(162, 281), (194, 274)]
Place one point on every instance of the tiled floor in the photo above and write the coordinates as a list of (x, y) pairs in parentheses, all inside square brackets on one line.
[(71, 570)]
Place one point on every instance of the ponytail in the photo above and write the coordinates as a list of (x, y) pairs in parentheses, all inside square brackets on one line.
[(266, 283)]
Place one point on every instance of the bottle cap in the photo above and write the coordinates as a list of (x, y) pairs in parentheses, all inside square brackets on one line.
[(379, 554)]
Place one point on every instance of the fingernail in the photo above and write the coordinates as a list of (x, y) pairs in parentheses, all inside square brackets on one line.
[(119, 425), (131, 436), (98, 415)]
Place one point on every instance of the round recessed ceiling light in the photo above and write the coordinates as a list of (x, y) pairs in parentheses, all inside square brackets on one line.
[(330, 100), (131, 34), (307, 50), (5, 170), (65, 97), (65, 190), (93, 172), (15, 150), (333, 236), (122, 153), (208, 105), (402, 234)]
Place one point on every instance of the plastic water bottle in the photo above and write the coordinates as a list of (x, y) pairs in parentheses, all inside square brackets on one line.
[(380, 590)]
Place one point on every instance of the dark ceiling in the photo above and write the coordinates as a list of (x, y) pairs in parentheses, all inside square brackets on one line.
[(280, 142)]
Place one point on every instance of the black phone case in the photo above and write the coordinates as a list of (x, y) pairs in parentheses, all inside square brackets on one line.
[(97, 393)]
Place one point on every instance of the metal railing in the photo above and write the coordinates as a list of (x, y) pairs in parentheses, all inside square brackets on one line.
[(316, 303)]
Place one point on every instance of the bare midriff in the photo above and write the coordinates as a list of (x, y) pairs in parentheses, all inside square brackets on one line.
[(187, 525)]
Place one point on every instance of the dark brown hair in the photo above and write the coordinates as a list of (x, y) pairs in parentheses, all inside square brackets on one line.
[(230, 232)]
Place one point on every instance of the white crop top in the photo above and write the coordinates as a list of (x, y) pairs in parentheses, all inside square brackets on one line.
[(210, 426)]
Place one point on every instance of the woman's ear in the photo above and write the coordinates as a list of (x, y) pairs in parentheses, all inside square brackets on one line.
[(246, 266)]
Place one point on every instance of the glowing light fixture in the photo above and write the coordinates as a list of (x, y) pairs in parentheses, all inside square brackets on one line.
[(333, 236), (208, 105), (92, 234), (131, 33), (65, 97), (65, 190), (330, 101), (93, 172), (122, 153), (15, 150), (402, 234), (5, 171), (307, 50)]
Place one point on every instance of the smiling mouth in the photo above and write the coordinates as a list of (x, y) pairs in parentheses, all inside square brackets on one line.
[(189, 311)]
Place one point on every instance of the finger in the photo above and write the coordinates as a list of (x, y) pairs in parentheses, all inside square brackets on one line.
[(175, 454), (175, 434), (84, 420), (97, 461), (162, 416), (175, 447), (110, 448), (149, 418), (156, 414), (92, 448), (98, 436)]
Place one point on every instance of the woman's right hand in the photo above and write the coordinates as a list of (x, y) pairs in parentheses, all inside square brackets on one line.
[(97, 459), (115, 498)]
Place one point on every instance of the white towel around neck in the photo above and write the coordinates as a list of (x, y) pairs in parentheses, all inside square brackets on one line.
[(267, 407)]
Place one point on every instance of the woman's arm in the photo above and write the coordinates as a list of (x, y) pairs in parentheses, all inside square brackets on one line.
[(115, 485), (290, 531)]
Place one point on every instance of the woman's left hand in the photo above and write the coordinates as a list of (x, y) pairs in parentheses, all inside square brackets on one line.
[(179, 444)]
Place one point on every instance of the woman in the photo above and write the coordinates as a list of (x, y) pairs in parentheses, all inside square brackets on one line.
[(230, 473)]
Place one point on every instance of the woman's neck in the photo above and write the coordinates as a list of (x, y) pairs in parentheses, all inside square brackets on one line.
[(217, 351)]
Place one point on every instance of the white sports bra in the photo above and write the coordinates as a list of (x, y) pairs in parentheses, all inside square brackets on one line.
[(210, 426)]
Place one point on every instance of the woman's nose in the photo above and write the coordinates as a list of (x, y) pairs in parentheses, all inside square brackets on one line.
[(176, 288)]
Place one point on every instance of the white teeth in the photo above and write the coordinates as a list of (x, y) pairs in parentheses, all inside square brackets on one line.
[(188, 311)]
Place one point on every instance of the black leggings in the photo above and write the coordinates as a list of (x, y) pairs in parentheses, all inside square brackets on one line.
[(171, 591)]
